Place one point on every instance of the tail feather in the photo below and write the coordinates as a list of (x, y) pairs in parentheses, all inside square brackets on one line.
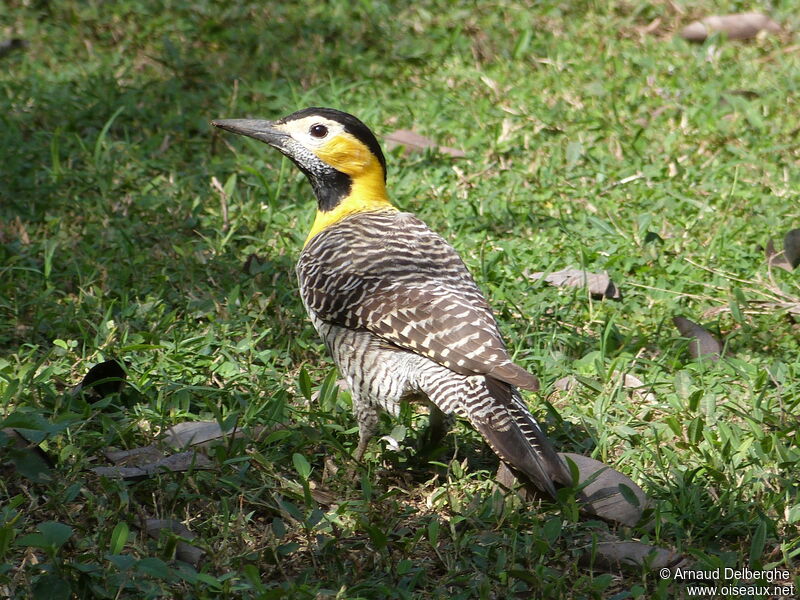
[(496, 410), (515, 436)]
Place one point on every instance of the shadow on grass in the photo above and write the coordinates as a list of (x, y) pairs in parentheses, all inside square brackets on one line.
[(110, 154)]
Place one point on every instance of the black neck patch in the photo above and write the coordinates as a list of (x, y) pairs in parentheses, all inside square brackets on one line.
[(352, 125), (330, 188)]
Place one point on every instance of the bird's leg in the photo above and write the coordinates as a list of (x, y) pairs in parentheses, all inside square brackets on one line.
[(367, 417), (439, 424), (363, 443)]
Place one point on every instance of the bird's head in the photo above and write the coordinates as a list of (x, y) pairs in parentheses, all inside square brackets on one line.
[(338, 153)]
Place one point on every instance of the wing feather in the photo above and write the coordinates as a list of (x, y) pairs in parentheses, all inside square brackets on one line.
[(410, 288)]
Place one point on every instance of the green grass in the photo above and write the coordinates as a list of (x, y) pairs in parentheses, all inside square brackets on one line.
[(590, 144)]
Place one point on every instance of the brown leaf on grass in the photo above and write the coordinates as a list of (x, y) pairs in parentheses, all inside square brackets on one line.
[(176, 463), (702, 342), (652, 27), (102, 379), (776, 258), (13, 231), (135, 457), (192, 433), (323, 495), (202, 433), (746, 94), (598, 284), (791, 247), (183, 550), (26, 455), (414, 142), (628, 381), (739, 26), (610, 495), (611, 554), (637, 386), (8, 46), (565, 384)]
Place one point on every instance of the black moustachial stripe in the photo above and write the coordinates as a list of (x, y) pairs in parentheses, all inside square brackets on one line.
[(330, 187)]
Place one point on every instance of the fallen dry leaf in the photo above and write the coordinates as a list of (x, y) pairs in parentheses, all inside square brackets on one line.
[(176, 463), (637, 386), (613, 555), (414, 142), (746, 94), (8, 46), (134, 457), (183, 550), (598, 284), (791, 247), (192, 433), (630, 382), (650, 27), (566, 383), (26, 456), (322, 495), (702, 342), (777, 259), (202, 433), (102, 379), (737, 26), (603, 497)]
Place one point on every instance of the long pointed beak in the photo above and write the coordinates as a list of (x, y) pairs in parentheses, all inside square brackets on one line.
[(263, 131)]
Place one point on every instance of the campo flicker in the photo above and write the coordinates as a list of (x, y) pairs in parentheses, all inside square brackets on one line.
[(394, 303)]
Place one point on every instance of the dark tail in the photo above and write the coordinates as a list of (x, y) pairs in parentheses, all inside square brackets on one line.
[(514, 435)]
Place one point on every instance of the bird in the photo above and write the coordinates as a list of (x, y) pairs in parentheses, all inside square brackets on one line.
[(394, 303)]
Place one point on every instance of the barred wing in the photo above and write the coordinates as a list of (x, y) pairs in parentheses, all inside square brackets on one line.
[(409, 287)]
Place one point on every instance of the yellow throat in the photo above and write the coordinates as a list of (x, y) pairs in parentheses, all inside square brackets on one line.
[(368, 190)]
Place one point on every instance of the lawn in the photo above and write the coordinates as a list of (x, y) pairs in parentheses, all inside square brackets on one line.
[(595, 138)]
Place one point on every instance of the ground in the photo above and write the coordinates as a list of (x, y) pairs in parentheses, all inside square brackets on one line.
[(595, 138)]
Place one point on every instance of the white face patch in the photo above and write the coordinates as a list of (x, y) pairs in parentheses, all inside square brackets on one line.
[(312, 132)]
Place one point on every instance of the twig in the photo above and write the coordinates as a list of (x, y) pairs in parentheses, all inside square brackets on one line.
[(223, 202)]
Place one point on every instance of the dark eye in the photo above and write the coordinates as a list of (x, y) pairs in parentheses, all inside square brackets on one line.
[(318, 131)]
